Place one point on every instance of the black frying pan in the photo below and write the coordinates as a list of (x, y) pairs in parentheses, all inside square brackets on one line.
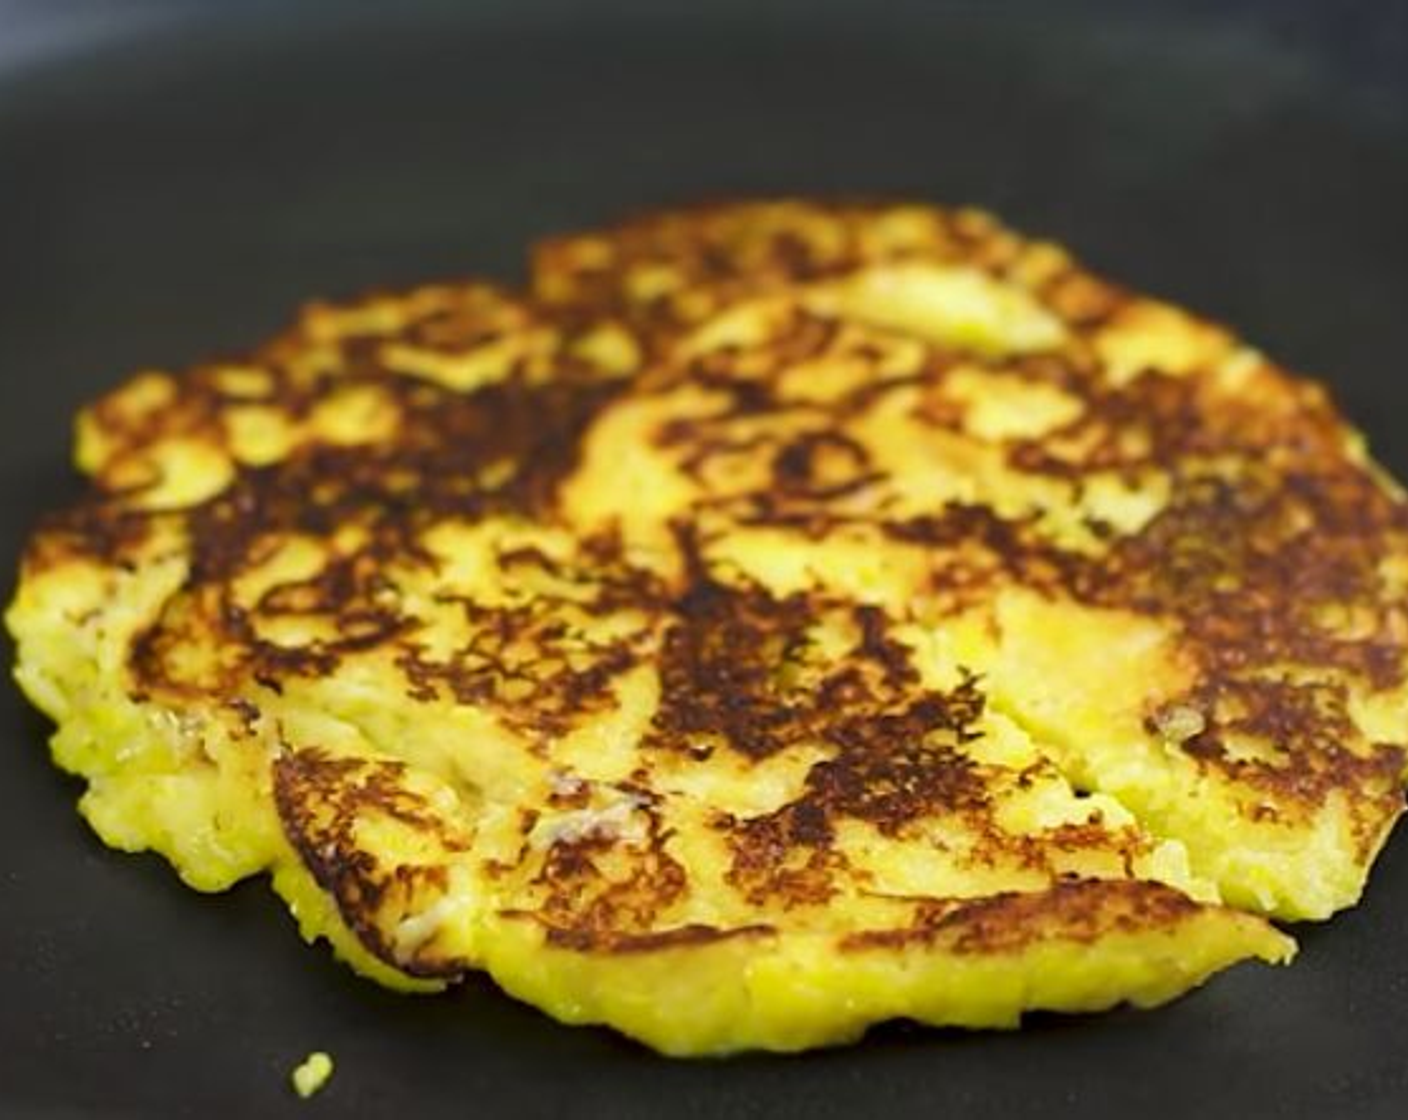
[(174, 177)]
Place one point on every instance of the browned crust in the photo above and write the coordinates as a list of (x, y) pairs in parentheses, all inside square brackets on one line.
[(692, 935), (725, 251), (1083, 911), (320, 801)]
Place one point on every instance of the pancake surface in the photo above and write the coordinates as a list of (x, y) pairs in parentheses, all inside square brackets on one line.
[(783, 618)]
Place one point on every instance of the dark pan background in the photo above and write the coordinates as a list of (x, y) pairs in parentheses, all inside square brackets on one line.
[(175, 177)]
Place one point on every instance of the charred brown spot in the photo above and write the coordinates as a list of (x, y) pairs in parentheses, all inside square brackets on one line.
[(888, 770), (599, 885), (722, 253), (786, 857), (736, 673), (720, 670), (823, 465), (1082, 911), (92, 529), (692, 936), (1303, 736), (1250, 568), (194, 648), (525, 663), (501, 448), (441, 466)]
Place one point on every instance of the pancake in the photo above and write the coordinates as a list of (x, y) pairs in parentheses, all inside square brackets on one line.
[(834, 638)]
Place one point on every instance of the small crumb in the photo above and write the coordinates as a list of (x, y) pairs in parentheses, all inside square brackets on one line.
[(1178, 723), (312, 1074)]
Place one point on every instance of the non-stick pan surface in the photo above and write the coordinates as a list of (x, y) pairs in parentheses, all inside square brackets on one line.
[(175, 177)]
